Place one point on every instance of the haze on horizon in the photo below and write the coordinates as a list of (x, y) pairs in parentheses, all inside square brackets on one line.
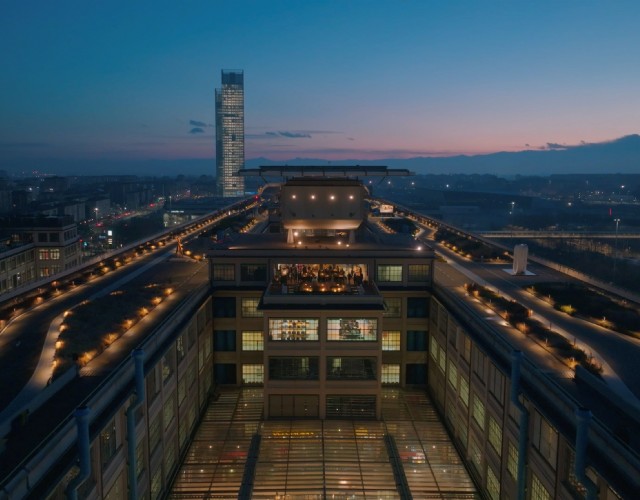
[(122, 81)]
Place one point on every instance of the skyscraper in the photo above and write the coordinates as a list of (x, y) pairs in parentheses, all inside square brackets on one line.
[(230, 134)]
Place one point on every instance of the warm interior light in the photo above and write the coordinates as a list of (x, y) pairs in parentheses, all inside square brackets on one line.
[(313, 196), (332, 197)]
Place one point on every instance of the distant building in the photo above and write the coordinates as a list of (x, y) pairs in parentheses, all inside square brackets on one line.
[(230, 134)]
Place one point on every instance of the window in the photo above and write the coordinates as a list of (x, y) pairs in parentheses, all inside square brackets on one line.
[(224, 307), (168, 410), (392, 274), (479, 362), (224, 340), (392, 307), (538, 491), (168, 365), (42, 237), (466, 349), (453, 375), (512, 460), (49, 254), (391, 340), (223, 272), (464, 391), (351, 368), (390, 374), (478, 411), (496, 383), (495, 435), (418, 272), (140, 458), (169, 455), (249, 308), (493, 485), (352, 329), (417, 307), (156, 484), (180, 348), (108, 445), (442, 360), (293, 368), (475, 454), (253, 272), (452, 333), (434, 348), (253, 374), (293, 329), (182, 389), (416, 340), (545, 439), (155, 432), (253, 341)]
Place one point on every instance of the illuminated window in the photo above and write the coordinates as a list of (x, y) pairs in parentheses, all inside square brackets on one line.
[(464, 391), (478, 411), (512, 460), (390, 374), (352, 329), (223, 272), (253, 341), (493, 485), (253, 374), (391, 340), (249, 308), (538, 491), (293, 329), (418, 272), (453, 375), (495, 435), (389, 273)]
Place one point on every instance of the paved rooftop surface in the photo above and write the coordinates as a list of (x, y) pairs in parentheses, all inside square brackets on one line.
[(318, 459)]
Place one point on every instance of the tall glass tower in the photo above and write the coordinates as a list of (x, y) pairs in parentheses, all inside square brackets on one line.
[(230, 134)]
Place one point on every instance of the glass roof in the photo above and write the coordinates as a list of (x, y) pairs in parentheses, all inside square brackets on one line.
[(321, 459)]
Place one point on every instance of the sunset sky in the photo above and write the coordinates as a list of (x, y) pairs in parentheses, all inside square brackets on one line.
[(323, 79)]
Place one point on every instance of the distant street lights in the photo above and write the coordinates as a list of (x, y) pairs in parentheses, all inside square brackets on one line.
[(615, 252)]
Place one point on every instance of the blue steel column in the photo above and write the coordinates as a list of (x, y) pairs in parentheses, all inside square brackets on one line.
[(84, 451), (523, 437), (138, 359)]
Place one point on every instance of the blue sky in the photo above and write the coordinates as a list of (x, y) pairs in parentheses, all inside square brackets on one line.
[(352, 78)]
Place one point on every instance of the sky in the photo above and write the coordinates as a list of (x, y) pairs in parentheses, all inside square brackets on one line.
[(344, 79)]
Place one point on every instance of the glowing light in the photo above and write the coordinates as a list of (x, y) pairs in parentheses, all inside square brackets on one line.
[(313, 196), (332, 197)]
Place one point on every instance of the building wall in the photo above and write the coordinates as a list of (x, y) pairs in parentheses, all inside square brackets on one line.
[(470, 386), (178, 383)]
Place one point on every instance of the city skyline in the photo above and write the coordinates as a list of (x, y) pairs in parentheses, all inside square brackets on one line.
[(331, 80)]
